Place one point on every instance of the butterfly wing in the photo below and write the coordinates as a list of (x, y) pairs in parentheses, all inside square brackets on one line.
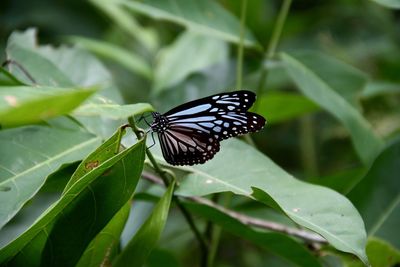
[(193, 130), (183, 146), (231, 101), (221, 125)]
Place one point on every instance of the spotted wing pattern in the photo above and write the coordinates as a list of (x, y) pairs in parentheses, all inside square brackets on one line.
[(190, 134)]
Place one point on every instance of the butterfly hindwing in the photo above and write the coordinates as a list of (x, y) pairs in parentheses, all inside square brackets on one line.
[(182, 146)]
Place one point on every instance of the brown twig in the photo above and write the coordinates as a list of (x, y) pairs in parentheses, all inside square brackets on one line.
[(248, 220)]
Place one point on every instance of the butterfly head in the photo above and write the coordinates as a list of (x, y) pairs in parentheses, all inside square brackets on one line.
[(160, 122)]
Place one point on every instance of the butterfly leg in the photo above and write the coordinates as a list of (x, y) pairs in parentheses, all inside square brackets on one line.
[(143, 117), (152, 138)]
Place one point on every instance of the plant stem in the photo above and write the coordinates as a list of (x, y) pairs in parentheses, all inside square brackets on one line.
[(216, 234), (239, 66), (307, 146), (163, 175), (276, 34), (273, 43)]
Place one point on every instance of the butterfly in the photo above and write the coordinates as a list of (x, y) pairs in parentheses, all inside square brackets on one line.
[(191, 133)]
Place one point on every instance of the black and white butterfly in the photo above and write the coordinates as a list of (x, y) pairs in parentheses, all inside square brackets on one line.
[(190, 133)]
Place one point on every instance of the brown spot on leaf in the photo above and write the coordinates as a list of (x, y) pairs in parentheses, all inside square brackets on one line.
[(11, 100), (91, 164)]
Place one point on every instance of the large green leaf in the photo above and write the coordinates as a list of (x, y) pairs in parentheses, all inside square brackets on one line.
[(344, 79), (128, 59), (366, 143), (105, 246), (191, 52), (103, 153), (243, 170), (6, 78), (28, 155), (79, 215), (21, 105), (140, 246), (380, 254), (377, 196), (278, 107), (375, 88), (21, 48), (123, 18), (389, 3), (58, 67), (112, 111), (278, 243), (205, 17)]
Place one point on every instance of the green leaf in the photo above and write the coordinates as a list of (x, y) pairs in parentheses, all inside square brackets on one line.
[(380, 88), (79, 215), (344, 79), (58, 67), (104, 247), (389, 3), (377, 196), (278, 107), (366, 143), (24, 164), (127, 59), (280, 244), (382, 253), (103, 153), (140, 246), (206, 17), (189, 53), (21, 105), (162, 258), (112, 111), (21, 48), (311, 206), (123, 18), (342, 181), (6, 78)]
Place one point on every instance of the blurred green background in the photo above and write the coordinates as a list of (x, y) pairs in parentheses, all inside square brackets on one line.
[(300, 137)]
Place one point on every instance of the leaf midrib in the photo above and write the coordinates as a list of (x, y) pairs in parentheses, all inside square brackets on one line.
[(50, 160)]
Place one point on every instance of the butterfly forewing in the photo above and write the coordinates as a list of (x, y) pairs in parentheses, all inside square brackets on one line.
[(221, 125), (233, 101)]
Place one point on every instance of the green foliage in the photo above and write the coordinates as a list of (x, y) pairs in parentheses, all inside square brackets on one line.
[(139, 248), (327, 84)]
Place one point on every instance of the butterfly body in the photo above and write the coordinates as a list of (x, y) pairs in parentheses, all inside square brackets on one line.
[(190, 133)]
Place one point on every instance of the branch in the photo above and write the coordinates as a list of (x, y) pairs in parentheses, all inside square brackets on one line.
[(247, 220)]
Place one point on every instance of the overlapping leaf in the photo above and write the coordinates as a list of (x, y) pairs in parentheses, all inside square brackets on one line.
[(21, 105), (139, 248), (315, 87), (206, 17), (105, 188), (377, 196), (245, 171), (28, 155)]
